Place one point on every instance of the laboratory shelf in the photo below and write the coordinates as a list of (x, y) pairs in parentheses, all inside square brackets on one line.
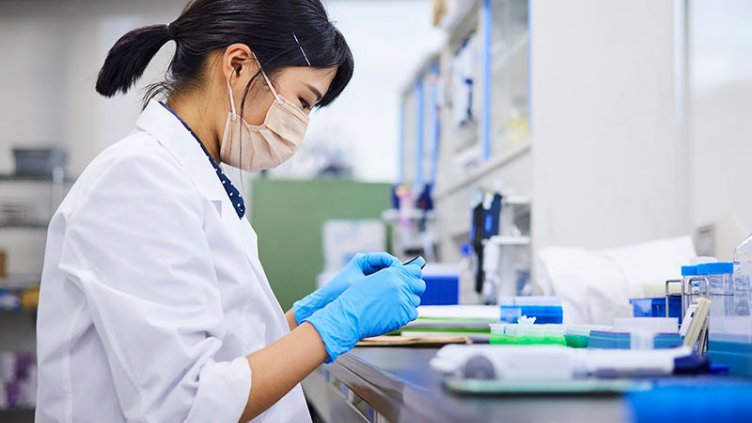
[(394, 215), (20, 281), (459, 13), (9, 177), (17, 415), (23, 225), (509, 240), (504, 54), (495, 163)]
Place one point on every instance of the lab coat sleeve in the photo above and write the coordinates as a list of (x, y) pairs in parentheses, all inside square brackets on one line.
[(136, 248)]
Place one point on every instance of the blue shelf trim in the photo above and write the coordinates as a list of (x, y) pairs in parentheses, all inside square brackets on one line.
[(420, 113), (486, 17), (435, 123), (401, 141)]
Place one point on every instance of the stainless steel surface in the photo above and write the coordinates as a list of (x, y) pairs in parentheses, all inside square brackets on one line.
[(330, 404), (399, 384)]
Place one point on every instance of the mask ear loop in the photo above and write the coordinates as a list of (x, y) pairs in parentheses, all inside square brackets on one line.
[(266, 78), (235, 117), (232, 101)]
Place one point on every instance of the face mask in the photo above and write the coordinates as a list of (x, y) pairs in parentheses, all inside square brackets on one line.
[(253, 148)]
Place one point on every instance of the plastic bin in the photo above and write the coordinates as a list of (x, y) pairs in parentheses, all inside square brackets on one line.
[(542, 314), (39, 161), (623, 340), (546, 310), (514, 334), (656, 307), (728, 340), (578, 336), (736, 355), (441, 290)]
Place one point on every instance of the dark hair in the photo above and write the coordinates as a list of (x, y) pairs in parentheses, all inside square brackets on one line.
[(269, 28)]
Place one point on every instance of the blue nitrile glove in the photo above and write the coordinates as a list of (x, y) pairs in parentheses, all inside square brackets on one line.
[(381, 303), (358, 268)]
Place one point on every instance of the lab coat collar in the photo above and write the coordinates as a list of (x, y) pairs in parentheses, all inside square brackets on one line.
[(171, 133)]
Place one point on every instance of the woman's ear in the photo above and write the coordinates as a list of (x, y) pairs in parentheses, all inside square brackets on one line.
[(236, 60)]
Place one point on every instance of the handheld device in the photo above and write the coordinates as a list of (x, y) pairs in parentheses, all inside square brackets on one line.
[(412, 260)]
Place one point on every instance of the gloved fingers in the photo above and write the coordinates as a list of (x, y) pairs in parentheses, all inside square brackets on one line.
[(413, 314), (414, 300), (373, 262), (415, 267), (416, 285)]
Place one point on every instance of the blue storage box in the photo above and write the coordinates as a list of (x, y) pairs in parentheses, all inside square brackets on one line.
[(441, 290), (622, 340), (656, 307), (736, 355), (544, 314)]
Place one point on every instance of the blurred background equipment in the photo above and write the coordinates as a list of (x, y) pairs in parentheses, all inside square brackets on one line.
[(563, 160)]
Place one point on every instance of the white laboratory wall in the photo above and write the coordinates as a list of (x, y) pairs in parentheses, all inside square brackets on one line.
[(610, 165), (720, 79), (54, 50), (52, 53)]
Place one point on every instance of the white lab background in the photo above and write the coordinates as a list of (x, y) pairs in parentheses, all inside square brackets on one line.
[(54, 50), (639, 118)]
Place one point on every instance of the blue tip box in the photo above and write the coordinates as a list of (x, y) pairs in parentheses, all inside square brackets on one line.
[(441, 290), (544, 314), (656, 307)]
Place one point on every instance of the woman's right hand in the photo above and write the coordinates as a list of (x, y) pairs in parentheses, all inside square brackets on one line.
[(381, 303), (359, 267)]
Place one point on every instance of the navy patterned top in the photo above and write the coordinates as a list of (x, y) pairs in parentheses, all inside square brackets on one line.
[(235, 198)]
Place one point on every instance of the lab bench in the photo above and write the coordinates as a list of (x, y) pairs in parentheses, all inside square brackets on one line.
[(398, 385)]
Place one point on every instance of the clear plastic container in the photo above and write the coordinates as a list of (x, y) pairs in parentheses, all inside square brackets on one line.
[(720, 289), (687, 272), (498, 328), (547, 310), (743, 287), (527, 334), (694, 286), (730, 340)]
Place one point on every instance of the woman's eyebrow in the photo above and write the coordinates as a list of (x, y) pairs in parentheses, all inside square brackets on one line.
[(315, 91)]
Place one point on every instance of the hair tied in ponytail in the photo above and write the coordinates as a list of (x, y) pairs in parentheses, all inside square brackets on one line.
[(170, 31), (282, 33)]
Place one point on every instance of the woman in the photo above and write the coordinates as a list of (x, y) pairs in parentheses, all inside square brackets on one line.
[(154, 306)]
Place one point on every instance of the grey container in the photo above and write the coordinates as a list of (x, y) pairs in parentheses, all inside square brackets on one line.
[(39, 161)]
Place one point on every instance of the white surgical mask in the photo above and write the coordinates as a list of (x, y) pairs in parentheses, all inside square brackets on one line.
[(253, 148)]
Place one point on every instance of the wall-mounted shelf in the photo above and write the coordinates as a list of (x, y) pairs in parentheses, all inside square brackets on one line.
[(24, 225), (20, 281), (504, 54), (458, 12), (521, 241), (491, 165), (10, 177), (393, 215)]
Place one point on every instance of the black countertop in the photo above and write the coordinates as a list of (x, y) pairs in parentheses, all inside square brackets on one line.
[(401, 386)]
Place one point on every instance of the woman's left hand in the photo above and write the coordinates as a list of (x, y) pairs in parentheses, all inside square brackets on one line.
[(359, 267)]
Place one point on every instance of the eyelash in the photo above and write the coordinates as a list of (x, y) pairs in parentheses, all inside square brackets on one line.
[(305, 104)]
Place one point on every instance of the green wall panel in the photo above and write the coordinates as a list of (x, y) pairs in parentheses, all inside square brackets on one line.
[(288, 217)]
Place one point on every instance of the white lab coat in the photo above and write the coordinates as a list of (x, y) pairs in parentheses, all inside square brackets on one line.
[(152, 291)]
